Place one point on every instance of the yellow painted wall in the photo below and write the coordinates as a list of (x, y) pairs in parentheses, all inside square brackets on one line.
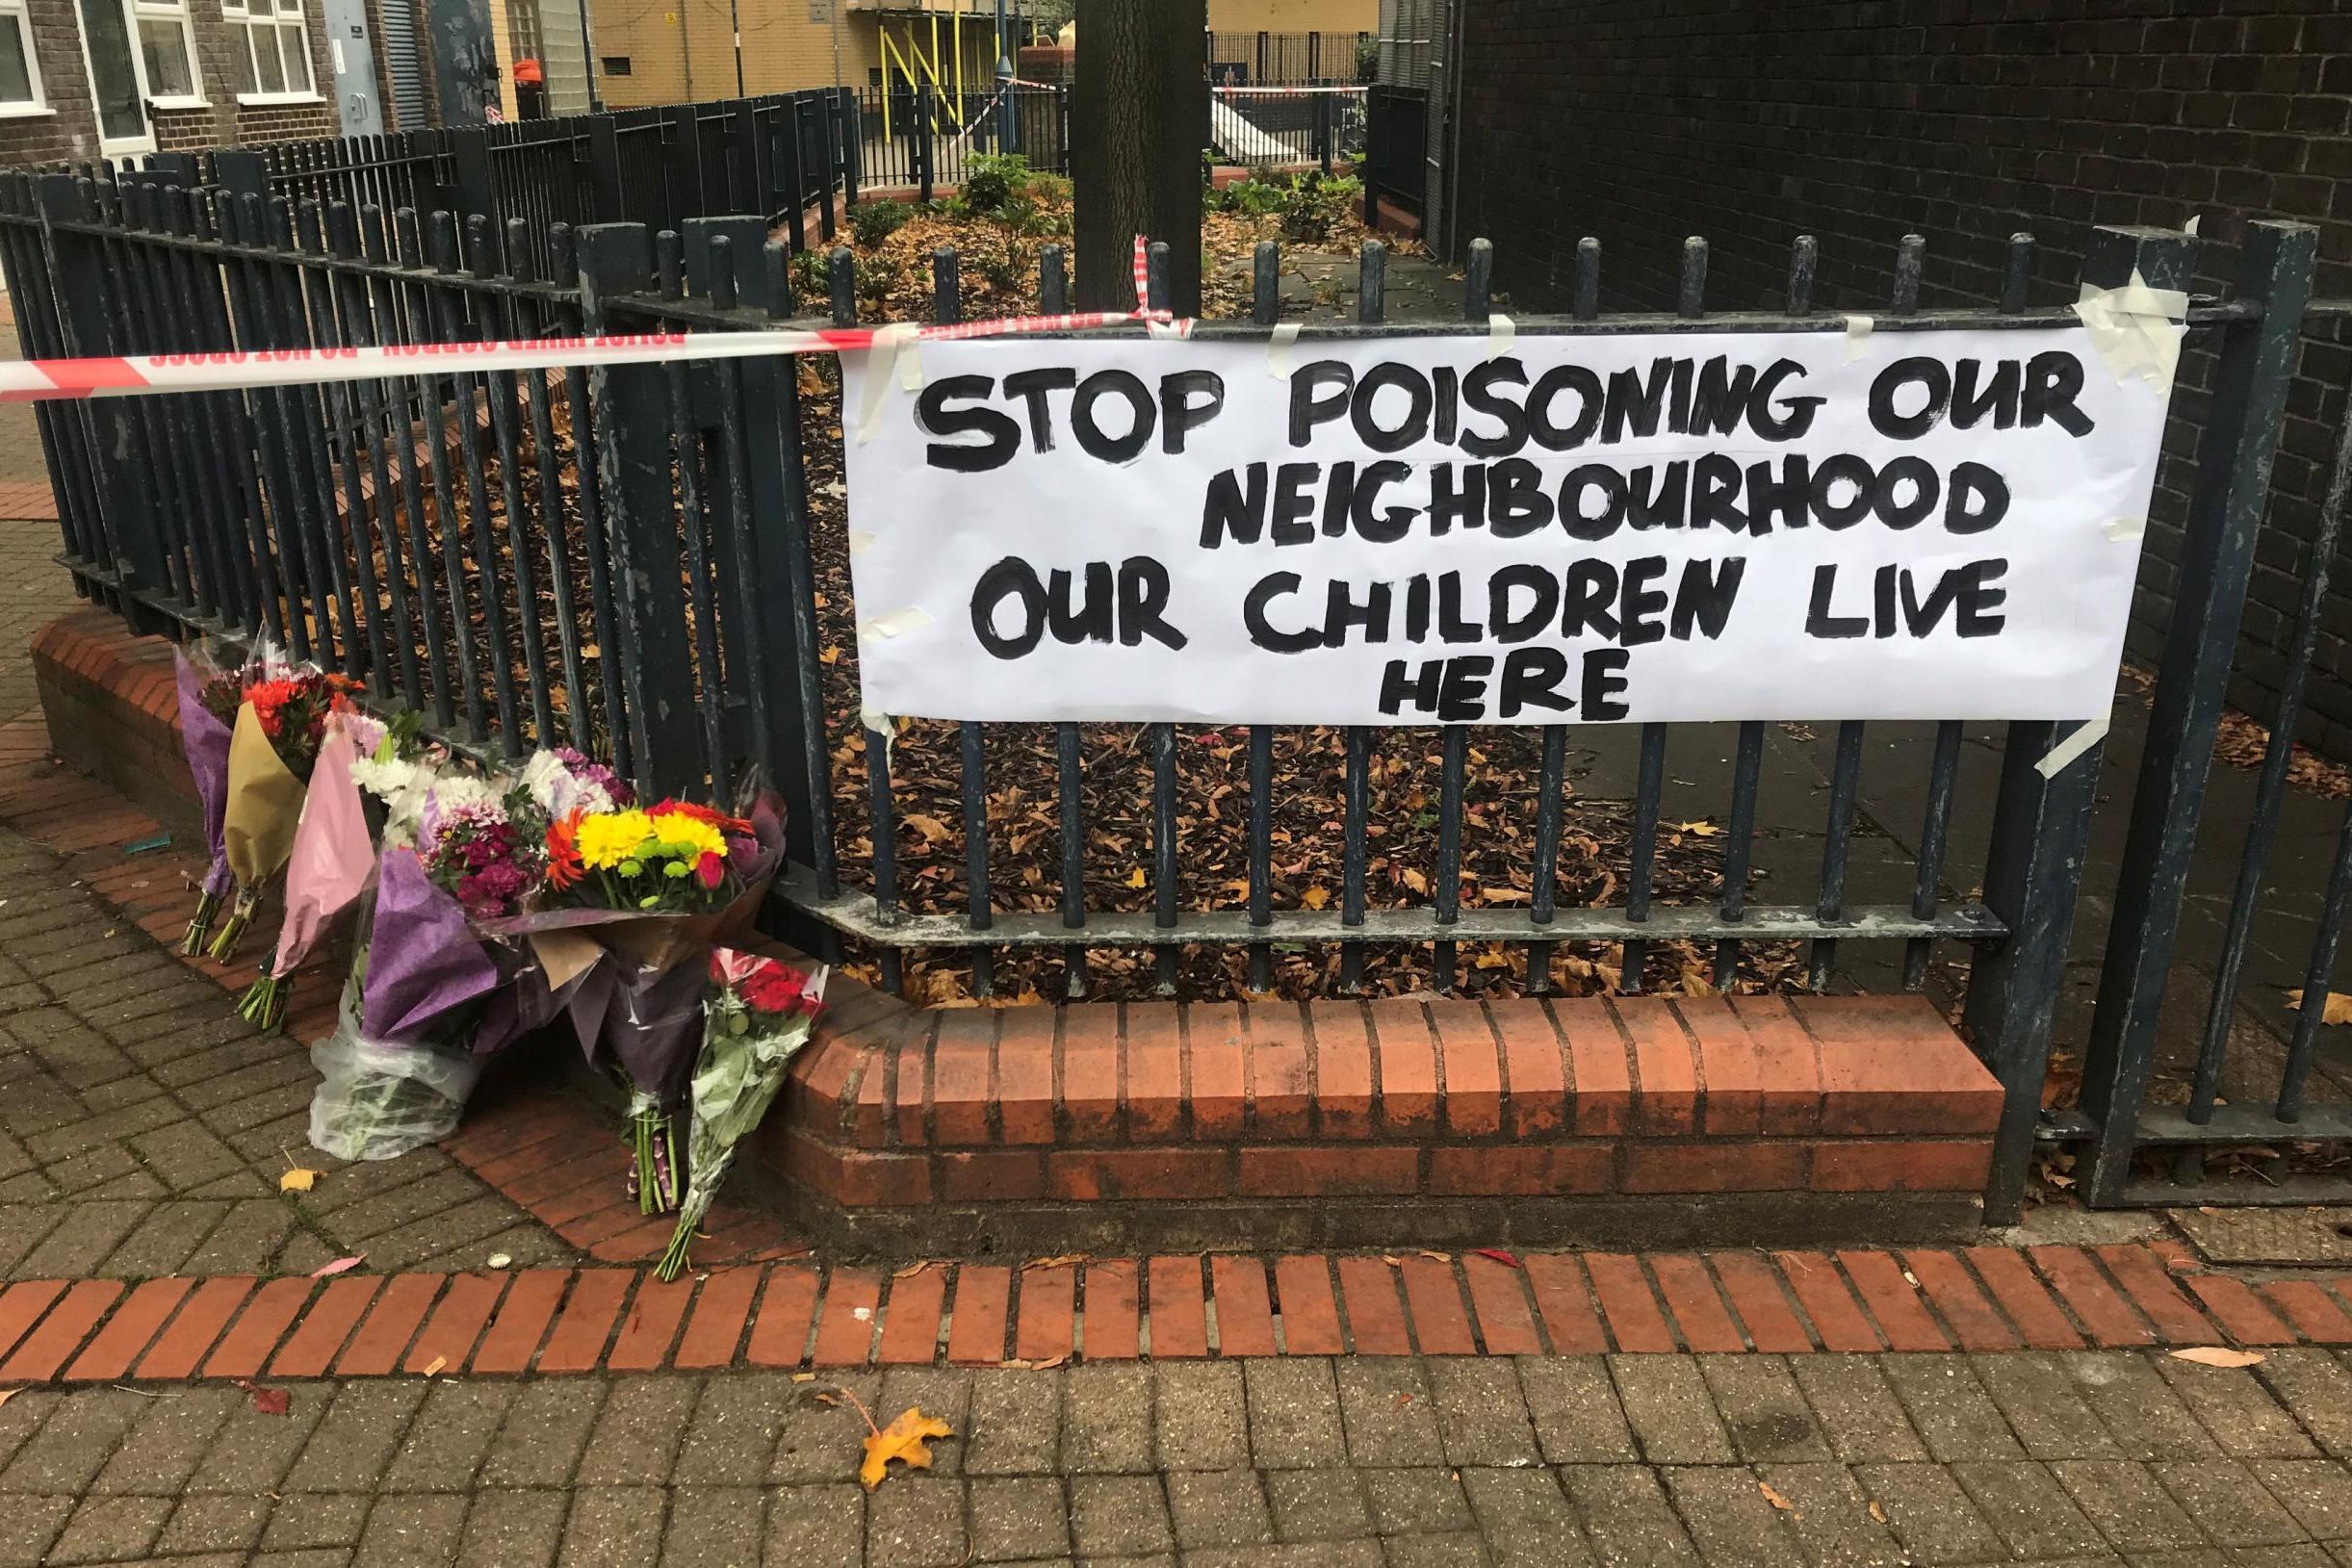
[(1294, 16), (785, 52)]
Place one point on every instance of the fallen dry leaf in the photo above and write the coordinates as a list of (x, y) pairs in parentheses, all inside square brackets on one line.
[(1878, 1510), (1055, 1261), (1697, 829), (1777, 1500), (297, 1180), (1135, 878), (912, 1270), (804, 1377), (2338, 1009), (2214, 1355), (1315, 897), (269, 1402), (327, 1270), (1496, 1253), (8, 1394), (907, 1438), (1435, 1256)]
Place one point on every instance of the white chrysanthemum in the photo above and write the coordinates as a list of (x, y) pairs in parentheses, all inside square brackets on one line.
[(403, 786), (453, 792), (556, 790)]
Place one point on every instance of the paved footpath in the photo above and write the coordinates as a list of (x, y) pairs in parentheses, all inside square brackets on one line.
[(1996, 1404)]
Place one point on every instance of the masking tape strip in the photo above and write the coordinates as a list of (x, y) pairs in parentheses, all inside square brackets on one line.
[(897, 623), (2136, 329), (874, 721), (1501, 333), (1858, 329), (860, 541), (2121, 529), (889, 344), (2190, 228), (1278, 350), (2054, 762)]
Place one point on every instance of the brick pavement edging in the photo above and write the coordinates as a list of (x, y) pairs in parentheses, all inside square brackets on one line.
[(911, 1131), (1050, 1311)]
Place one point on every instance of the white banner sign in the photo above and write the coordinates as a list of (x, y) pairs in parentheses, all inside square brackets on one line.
[(1581, 529)]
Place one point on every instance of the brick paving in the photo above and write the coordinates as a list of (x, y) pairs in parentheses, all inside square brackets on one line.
[(1298, 1411), (2086, 1458)]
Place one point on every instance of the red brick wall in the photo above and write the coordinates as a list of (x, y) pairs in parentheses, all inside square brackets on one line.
[(1643, 121)]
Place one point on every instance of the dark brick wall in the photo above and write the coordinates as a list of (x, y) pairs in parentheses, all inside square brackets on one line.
[(1643, 121), (70, 134)]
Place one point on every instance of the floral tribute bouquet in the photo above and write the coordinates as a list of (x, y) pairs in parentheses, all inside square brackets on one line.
[(206, 693), (276, 728), (632, 899), (432, 995), (758, 1012), (328, 866)]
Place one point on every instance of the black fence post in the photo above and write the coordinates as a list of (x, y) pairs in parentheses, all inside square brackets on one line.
[(633, 477), (747, 161), (851, 150), (682, 157), (603, 149), (2041, 829), (775, 493), (789, 154), (2225, 511), (473, 191), (78, 269)]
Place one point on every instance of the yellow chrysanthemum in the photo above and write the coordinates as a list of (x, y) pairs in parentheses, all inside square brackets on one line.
[(606, 838), (677, 831)]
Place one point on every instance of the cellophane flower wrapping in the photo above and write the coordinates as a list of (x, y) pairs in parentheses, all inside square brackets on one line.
[(396, 1072), (654, 888), (204, 740), (432, 995), (331, 864), (758, 1012), (274, 735)]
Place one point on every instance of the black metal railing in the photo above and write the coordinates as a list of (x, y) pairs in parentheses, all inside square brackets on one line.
[(651, 562), (781, 155), (921, 141)]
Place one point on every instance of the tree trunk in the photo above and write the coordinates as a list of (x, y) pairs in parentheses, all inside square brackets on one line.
[(1139, 111)]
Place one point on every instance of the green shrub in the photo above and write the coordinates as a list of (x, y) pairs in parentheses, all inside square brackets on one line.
[(1317, 203), (992, 180), (870, 222)]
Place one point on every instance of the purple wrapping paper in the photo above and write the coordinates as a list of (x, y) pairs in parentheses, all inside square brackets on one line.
[(423, 962), (524, 1001), (205, 740), (653, 1025)]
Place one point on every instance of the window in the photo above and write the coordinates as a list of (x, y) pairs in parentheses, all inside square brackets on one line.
[(20, 71), (614, 64), (274, 63), (168, 50)]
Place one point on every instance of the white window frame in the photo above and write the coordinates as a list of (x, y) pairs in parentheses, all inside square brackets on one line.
[(243, 23), (14, 13), (169, 10)]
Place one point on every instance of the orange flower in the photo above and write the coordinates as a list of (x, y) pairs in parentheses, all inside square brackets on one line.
[(563, 867)]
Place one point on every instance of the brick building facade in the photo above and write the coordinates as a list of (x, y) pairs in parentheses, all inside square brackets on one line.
[(226, 107), (1644, 121)]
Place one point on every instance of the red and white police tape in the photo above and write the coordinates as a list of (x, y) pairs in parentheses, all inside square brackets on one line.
[(43, 381)]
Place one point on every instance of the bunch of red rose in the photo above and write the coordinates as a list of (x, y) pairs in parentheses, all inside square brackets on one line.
[(773, 991)]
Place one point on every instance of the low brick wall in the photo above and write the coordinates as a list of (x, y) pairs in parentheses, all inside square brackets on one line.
[(911, 1131), (114, 712), (1662, 1119)]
